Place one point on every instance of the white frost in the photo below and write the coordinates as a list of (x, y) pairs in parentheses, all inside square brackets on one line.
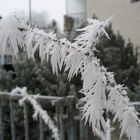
[(78, 57), (38, 111)]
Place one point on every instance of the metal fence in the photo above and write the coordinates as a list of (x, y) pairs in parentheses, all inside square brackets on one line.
[(67, 118)]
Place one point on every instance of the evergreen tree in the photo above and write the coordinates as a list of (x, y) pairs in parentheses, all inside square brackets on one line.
[(38, 78), (119, 57), (135, 1)]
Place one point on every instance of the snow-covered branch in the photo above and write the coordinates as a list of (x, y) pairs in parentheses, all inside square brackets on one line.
[(102, 94), (38, 111)]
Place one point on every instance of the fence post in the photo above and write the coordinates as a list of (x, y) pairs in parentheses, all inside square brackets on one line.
[(59, 107), (87, 133), (26, 121), (1, 124), (82, 130), (57, 114), (70, 103), (13, 131), (41, 129), (61, 123)]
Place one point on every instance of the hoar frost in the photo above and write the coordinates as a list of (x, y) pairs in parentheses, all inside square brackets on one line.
[(38, 111), (101, 93)]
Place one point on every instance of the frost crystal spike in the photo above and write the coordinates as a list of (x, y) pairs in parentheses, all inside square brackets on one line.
[(78, 57)]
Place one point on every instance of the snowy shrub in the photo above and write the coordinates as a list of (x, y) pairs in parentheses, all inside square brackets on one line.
[(101, 93)]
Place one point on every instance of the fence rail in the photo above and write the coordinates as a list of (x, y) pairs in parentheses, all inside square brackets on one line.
[(67, 119), (39, 98)]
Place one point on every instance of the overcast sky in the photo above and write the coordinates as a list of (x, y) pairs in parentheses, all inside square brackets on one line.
[(53, 9), (8, 6)]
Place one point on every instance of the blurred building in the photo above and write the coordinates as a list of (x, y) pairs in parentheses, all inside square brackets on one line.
[(75, 14), (67, 13), (7, 58), (126, 16)]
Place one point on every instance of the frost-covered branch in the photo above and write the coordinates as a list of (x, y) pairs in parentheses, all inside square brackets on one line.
[(102, 94), (38, 111)]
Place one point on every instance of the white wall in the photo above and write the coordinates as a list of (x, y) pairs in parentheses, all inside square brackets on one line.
[(126, 16), (75, 7)]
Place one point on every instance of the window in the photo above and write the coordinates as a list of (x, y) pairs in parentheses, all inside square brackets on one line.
[(7, 59)]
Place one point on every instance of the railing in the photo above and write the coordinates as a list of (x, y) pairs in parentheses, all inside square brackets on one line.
[(67, 117)]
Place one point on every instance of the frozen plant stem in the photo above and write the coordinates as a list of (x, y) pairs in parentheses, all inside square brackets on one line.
[(38, 111), (78, 57)]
